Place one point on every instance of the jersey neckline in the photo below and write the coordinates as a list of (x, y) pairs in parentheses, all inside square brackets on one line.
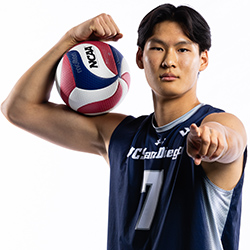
[(179, 120)]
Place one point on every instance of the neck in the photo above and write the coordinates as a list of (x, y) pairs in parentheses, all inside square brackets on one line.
[(167, 111)]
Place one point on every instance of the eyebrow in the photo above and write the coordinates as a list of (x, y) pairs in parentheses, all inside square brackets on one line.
[(184, 42)]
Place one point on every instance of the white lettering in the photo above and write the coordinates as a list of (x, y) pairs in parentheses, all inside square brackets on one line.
[(163, 152), (160, 153), (132, 149), (169, 153), (135, 156), (184, 132)]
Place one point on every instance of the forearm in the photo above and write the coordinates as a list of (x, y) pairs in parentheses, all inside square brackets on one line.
[(35, 85)]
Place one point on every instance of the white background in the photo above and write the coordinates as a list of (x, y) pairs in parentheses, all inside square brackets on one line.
[(54, 198)]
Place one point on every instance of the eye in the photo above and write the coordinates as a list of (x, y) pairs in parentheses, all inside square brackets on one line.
[(157, 48), (182, 50)]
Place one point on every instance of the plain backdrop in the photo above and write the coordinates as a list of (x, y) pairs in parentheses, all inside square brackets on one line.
[(54, 198)]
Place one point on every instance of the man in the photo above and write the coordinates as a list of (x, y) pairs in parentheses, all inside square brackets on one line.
[(176, 175)]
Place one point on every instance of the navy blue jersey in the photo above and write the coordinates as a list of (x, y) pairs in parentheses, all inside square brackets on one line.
[(159, 199)]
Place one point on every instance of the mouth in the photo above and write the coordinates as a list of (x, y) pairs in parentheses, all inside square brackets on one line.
[(168, 77)]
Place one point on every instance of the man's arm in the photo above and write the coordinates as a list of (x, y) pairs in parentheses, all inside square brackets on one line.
[(218, 144), (27, 105)]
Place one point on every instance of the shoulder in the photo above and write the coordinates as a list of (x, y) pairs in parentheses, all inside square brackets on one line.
[(206, 110), (106, 124), (130, 125), (200, 112), (116, 127), (126, 130), (228, 120)]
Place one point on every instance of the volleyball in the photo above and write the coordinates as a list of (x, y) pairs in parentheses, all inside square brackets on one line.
[(92, 78)]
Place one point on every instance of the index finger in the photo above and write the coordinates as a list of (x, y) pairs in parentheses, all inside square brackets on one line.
[(113, 24), (115, 31), (105, 27), (194, 130)]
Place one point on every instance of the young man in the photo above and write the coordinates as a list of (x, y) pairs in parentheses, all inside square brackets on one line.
[(176, 175)]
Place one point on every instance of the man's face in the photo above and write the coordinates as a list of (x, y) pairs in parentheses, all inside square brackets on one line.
[(171, 61)]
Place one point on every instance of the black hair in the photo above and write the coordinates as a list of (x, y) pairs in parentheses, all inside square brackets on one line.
[(192, 23)]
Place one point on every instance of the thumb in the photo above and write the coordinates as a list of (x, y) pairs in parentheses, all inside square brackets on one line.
[(114, 38)]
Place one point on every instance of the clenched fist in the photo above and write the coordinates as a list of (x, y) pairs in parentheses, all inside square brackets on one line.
[(101, 27), (207, 142)]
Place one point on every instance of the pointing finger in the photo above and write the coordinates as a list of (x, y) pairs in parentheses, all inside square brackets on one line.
[(194, 130)]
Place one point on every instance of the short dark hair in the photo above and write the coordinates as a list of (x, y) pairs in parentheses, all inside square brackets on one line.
[(192, 23)]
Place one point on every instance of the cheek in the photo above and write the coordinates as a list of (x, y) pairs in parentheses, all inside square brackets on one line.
[(147, 62), (191, 67), (149, 67)]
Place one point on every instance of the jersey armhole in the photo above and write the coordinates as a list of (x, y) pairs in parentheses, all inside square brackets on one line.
[(123, 123)]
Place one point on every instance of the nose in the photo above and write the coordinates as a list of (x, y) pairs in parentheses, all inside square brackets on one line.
[(169, 60)]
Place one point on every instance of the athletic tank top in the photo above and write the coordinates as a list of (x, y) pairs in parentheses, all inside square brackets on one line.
[(159, 199)]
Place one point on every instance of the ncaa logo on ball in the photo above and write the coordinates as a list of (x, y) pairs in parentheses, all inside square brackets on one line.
[(91, 56), (93, 78)]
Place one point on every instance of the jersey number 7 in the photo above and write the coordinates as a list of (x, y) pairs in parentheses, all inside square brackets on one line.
[(152, 183)]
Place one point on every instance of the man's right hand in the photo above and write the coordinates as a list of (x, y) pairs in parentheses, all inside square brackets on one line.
[(101, 27)]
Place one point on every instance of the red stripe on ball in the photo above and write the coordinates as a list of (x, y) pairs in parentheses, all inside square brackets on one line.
[(102, 106), (126, 78), (107, 55), (67, 80)]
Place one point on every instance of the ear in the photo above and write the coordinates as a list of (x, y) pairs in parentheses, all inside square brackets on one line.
[(204, 60), (139, 56)]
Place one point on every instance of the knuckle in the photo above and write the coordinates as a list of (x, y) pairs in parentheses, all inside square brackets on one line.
[(205, 141), (206, 129), (102, 15), (214, 142), (216, 154), (219, 151), (222, 145)]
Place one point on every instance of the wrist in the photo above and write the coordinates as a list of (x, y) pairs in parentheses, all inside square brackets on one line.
[(67, 41)]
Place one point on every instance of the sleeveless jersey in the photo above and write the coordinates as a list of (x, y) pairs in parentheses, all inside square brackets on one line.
[(159, 199)]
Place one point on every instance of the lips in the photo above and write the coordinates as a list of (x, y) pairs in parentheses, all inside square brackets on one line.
[(168, 77)]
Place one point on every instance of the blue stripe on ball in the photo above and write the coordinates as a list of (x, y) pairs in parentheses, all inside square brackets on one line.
[(84, 79), (118, 59)]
